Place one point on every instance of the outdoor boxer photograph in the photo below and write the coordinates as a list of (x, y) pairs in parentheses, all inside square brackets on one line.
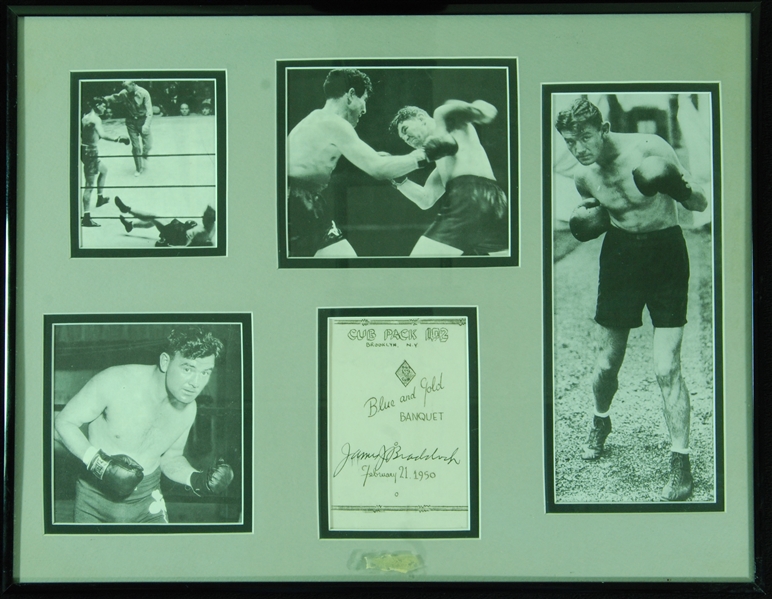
[(147, 424), (157, 138), (398, 163), (634, 407)]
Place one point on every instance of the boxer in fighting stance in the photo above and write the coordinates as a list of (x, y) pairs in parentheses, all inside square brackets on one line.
[(629, 184), (473, 217), (94, 170), (137, 102), (173, 233), (138, 418), (314, 147)]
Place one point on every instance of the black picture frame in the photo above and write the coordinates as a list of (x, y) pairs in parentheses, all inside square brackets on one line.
[(758, 323)]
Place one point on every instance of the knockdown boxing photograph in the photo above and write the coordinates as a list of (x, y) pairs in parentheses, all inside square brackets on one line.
[(148, 423), (397, 163), (632, 230), (148, 163)]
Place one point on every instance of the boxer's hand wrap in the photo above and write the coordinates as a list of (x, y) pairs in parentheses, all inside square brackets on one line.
[(420, 158), (657, 175), (439, 147), (212, 482), (397, 181), (119, 474)]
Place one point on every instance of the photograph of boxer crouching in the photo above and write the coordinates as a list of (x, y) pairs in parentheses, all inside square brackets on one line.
[(387, 161), (147, 443), (473, 215), (632, 180)]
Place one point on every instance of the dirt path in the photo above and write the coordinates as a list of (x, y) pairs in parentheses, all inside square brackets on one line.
[(635, 465)]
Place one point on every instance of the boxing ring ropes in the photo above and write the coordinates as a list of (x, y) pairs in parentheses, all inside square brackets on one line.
[(174, 184)]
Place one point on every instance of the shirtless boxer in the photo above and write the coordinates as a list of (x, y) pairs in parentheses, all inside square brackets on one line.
[(138, 418), (314, 147), (94, 170), (173, 233), (473, 218), (636, 179), (137, 102)]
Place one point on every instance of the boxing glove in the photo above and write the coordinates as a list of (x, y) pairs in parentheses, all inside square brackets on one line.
[(657, 175), (487, 112), (589, 220), (212, 482), (439, 147), (123, 140), (208, 218), (119, 474)]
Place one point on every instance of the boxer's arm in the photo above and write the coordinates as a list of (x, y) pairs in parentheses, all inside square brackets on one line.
[(589, 220), (86, 406), (656, 146), (587, 199), (101, 133), (422, 196), (454, 113), (118, 96), (367, 159), (174, 465), (100, 130)]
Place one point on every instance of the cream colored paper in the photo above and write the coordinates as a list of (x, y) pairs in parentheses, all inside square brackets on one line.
[(398, 429)]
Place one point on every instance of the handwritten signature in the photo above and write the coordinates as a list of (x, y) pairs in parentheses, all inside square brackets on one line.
[(394, 453)]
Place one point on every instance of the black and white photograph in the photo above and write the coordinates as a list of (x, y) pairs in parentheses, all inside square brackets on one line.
[(633, 326), (148, 423), (148, 163), (398, 163)]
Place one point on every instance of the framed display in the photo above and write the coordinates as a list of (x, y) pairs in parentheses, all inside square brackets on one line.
[(421, 374), (148, 163), (398, 401)]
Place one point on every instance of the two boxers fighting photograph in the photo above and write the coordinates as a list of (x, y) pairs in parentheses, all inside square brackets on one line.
[(634, 411), (398, 163), (149, 423)]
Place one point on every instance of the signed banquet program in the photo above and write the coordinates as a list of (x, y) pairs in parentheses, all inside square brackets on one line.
[(400, 411)]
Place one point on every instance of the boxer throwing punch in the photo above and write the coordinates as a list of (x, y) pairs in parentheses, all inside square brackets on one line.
[(138, 418), (472, 219), (629, 184), (94, 170), (314, 147)]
